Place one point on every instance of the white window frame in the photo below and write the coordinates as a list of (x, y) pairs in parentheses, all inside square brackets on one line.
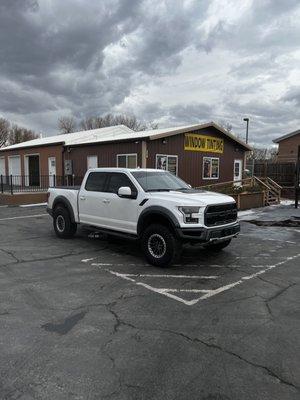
[(167, 155), (126, 155), (211, 158)]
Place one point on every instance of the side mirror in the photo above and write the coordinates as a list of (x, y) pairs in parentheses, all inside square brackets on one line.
[(125, 191)]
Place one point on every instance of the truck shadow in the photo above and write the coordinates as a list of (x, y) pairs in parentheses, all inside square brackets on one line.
[(191, 254)]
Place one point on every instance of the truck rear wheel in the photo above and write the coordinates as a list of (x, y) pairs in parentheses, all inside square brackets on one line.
[(63, 226), (160, 246)]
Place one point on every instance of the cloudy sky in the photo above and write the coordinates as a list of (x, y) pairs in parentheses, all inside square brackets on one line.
[(172, 62)]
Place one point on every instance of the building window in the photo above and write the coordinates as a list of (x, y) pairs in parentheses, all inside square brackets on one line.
[(210, 168), (167, 162), (127, 160)]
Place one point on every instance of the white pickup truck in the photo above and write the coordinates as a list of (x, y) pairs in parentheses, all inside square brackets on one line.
[(153, 206)]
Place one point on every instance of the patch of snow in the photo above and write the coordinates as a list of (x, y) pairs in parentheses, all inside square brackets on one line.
[(286, 202), (34, 205)]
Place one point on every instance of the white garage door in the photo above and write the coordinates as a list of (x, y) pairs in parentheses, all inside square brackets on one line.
[(14, 169), (2, 169), (92, 162)]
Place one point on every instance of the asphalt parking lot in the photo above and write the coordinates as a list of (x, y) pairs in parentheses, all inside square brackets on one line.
[(87, 318)]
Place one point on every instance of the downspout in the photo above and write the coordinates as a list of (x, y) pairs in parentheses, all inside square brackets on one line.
[(144, 154)]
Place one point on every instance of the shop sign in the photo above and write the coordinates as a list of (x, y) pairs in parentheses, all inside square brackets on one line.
[(209, 144)]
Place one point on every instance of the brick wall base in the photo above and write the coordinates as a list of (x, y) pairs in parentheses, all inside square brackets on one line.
[(22, 198)]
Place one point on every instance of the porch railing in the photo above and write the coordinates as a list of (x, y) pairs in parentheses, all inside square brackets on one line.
[(12, 184)]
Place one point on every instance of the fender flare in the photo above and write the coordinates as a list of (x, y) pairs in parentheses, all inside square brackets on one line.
[(158, 210), (63, 200)]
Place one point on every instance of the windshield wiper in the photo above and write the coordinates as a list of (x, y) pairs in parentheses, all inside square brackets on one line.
[(158, 190)]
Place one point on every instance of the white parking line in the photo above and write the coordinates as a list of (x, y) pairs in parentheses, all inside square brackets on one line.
[(270, 239), (24, 216), (186, 290), (207, 293), (88, 259), (247, 278), (173, 276)]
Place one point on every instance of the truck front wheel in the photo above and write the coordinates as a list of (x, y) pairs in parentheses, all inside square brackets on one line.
[(63, 226), (160, 246)]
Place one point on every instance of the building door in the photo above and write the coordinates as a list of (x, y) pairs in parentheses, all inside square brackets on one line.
[(14, 169), (2, 169), (52, 170), (92, 162), (237, 172), (34, 170)]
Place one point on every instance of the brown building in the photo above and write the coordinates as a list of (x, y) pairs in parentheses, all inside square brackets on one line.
[(199, 154), (288, 147)]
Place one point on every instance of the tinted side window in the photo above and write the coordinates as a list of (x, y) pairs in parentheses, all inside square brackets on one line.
[(117, 180), (95, 182)]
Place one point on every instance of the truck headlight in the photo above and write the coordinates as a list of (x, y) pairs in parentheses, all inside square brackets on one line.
[(190, 214)]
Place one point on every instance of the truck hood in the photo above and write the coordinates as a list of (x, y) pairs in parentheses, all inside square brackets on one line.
[(201, 198)]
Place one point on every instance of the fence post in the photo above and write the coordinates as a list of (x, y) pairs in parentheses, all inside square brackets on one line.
[(11, 185), (2, 189), (54, 180)]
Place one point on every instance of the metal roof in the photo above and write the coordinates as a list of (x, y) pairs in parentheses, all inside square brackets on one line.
[(288, 135), (119, 133)]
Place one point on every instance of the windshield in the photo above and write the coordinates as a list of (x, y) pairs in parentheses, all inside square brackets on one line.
[(153, 181)]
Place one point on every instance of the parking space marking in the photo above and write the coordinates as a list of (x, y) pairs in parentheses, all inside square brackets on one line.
[(247, 278), (24, 216), (173, 276), (270, 239), (88, 259), (206, 293)]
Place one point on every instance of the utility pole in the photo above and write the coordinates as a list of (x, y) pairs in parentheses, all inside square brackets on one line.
[(247, 128), (297, 180)]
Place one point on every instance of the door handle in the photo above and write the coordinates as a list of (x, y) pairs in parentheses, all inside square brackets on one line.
[(82, 197), (106, 201)]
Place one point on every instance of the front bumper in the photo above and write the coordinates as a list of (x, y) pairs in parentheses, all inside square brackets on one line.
[(208, 235)]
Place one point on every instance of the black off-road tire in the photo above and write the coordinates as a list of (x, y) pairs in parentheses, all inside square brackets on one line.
[(160, 246), (63, 226), (218, 246)]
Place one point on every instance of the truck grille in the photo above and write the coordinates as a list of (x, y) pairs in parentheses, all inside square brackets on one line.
[(220, 214)]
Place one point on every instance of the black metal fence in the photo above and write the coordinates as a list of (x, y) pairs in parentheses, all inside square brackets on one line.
[(31, 183)]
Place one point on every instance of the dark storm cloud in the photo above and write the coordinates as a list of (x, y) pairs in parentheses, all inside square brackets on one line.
[(292, 96), (84, 58)]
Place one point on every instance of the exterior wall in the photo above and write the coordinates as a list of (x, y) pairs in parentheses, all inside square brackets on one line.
[(190, 163), (44, 153), (107, 154), (288, 149)]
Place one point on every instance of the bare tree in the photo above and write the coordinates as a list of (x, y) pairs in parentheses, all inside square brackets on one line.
[(111, 120), (66, 125), (263, 154), (18, 134), (225, 125), (4, 131)]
